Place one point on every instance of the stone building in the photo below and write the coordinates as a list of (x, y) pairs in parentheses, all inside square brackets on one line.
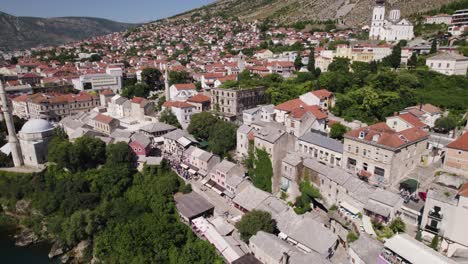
[(34, 137), (233, 101), (381, 155)]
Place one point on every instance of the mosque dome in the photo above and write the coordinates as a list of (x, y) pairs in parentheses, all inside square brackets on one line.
[(36, 126)]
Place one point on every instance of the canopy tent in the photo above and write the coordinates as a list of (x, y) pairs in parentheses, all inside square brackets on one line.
[(409, 184)]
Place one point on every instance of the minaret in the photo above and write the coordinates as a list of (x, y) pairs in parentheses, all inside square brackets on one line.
[(12, 139), (166, 85)]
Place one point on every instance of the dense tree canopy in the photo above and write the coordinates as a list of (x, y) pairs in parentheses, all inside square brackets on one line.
[(152, 78), (169, 118), (260, 168), (136, 90), (255, 221), (337, 131)]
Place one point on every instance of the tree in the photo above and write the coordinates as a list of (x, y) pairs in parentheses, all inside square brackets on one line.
[(373, 66), (120, 153), (337, 130), (95, 57), (413, 61), (201, 125), (169, 118), (351, 237), (445, 124), (419, 235), (176, 77), (433, 46), (255, 221), (311, 63), (339, 65), (435, 243), (223, 138), (58, 152), (394, 59), (152, 78), (5, 161), (87, 152), (397, 225), (14, 60), (137, 90), (298, 62)]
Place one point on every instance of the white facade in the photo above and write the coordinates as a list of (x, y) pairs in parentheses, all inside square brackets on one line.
[(34, 138), (98, 82), (448, 64), (439, 19), (391, 29)]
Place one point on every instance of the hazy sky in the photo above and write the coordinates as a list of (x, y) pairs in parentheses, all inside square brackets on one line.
[(119, 10)]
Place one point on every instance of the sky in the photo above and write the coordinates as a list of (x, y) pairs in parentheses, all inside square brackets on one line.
[(134, 11)]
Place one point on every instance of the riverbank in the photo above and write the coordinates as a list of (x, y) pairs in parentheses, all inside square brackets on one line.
[(36, 253)]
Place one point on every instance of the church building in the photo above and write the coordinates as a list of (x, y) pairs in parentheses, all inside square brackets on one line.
[(392, 28)]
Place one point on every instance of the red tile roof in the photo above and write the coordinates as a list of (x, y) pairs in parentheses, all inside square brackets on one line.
[(290, 105), (21, 98), (463, 190), (322, 93), (103, 119), (413, 120), (460, 143), (199, 98), (385, 136), (177, 104), (313, 109), (185, 86)]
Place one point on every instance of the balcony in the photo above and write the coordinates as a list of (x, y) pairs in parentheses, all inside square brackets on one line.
[(432, 229), (435, 215)]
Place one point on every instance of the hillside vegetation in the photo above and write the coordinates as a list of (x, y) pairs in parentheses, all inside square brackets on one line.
[(351, 12), (28, 32)]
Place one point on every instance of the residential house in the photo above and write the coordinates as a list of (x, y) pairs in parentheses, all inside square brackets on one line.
[(383, 205), (201, 160), (365, 250), (323, 98), (177, 142), (119, 106), (232, 102), (201, 102), (426, 113), (320, 148), (456, 156), (400, 122), (381, 155), (105, 124), (220, 176), (182, 110), (140, 107), (448, 63), (445, 214), (140, 144)]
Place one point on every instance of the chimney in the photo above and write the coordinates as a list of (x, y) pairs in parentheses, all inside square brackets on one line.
[(420, 106), (396, 113)]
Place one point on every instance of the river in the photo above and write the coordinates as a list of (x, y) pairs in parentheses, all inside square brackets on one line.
[(10, 254)]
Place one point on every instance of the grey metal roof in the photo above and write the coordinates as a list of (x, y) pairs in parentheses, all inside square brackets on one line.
[(447, 56), (250, 197), (157, 127), (244, 129), (192, 204), (322, 141), (386, 197), (141, 138), (270, 134)]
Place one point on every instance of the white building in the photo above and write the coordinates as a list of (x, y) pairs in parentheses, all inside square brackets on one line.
[(112, 79), (448, 63), (391, 29), (439, 19), (182, 110), (182, 92), (34, 137)]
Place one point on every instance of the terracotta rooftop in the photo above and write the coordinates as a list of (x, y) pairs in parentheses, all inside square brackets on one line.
[(460, 143), (185, 86), (290, 105), (413, 120), (199, 98), (463, 190), (103, 119), (322, 93), (177, 104), (383, 135)]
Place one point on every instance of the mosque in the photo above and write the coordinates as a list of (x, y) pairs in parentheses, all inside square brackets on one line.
[(34, 136)]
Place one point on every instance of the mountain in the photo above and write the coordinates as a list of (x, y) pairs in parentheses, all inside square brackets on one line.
[(351, 12), (28, 32)]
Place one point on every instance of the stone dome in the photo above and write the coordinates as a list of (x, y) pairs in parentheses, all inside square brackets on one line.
[(36, 126)]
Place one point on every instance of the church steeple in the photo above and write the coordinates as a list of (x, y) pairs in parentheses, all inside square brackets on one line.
[(12, 138)]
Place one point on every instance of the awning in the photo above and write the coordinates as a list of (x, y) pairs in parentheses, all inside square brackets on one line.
[(192, 171), (410, 185), (218, 189), (158, 140), (349, 208), (184, 166), (204, 181), (202, 173), (210, 183)]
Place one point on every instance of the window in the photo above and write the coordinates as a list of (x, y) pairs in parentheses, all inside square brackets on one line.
[(379, 171), (357, 150), (365, 166)]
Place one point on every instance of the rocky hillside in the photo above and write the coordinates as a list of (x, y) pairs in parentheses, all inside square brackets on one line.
[(27, 32), (351, 12)]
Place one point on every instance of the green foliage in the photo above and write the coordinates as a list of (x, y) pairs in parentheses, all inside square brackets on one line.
[(351, 237), (152, 78), (339, 65), (298, 62), (308, 193), (255, 221), (176, 77), (95, 57), (394, 59), (85, 153), (397, 225), (5, 161), (120, 153), (169, 118), (333, 207), (260, 168), (136, 90), (445, 124), (419, 235), (337, 130), (201, 125), (435, 243)]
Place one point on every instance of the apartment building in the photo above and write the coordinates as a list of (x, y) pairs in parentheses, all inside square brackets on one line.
[(233, 101), (105, 124), (321, 148), (448, 63), (456, 156), (381, 155), (53, 106)]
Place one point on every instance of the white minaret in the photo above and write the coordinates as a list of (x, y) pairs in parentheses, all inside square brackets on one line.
[(166, 85), (378, 19), (12, 138)]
